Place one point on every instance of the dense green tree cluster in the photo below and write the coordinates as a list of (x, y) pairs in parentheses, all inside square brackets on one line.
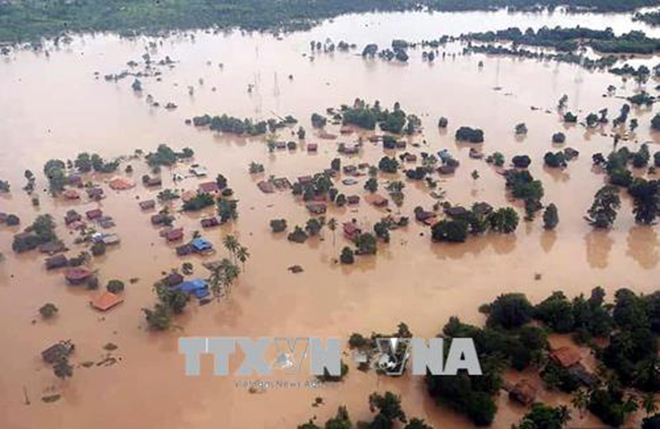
[(170, 302), (521, 347), (603, 211), (472, 135), (544, 416), (278, 225), (200, 201), (231, 124), (646, 200), (85, 163), (523, 186), (651, 18), (166, 156), (550, 217), (41, 231), (55, 171), (388, 165), (320, 185), (30, 20), (366, 116), (555, 159), (569, 39)]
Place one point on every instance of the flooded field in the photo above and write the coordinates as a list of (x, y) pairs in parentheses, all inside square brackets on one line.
[(55, 106)]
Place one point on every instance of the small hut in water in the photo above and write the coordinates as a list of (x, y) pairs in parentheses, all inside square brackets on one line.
[(76, 276), (55, 262)]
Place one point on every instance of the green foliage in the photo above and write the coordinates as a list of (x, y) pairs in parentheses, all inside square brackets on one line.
[(545, 417), (609, 406), (199, 202), (41, 231), (646, 200), (472, 135), (278, 225), (371, 184), (509, 311), (558, 377), (603, 211), (366, 244), (389, 410), (48, 310), (521, 161), (366, 116), (347, 256), (556, 312), (227, 210), (388, 165), (115, 286), (165, 156), (298, 235), (497, 159), (453, 231), (550, 217), (504, 220)]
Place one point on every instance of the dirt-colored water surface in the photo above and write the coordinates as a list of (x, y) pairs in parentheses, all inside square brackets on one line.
[(53, 106)]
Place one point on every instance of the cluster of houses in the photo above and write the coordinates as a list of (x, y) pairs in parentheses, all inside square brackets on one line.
[(76, 221), (568, 358)]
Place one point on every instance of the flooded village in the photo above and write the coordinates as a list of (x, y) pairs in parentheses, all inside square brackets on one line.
[(392, 172)]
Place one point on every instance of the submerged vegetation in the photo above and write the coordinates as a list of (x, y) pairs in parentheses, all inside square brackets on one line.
[(570, 39), (20, 21)]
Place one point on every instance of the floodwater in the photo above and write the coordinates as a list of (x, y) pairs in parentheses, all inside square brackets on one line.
[(53, 107)]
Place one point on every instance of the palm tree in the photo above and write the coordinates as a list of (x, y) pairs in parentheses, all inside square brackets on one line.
[(580, 401), (564, 414), (332, 225), (231, 244), (229, 273), (242, 253), (648, 403)]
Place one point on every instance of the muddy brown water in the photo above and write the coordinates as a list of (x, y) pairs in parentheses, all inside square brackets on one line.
[(53, 107)]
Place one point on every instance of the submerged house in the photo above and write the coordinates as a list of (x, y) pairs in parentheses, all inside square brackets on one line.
[(184, 250), (523, 392), (95, 193), (107, 239), (316, 208), (94, 214), (209, 188), (377, 200), (352, 231), (56, 262), (58, 351), (566, 356), (174, 279), (197, 287), (77, 275), (174, 234), (71, 194), (71, 217), (201, 245), (198, 170), (147, 205), (210, 222), (106, 301), (266, 187)]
